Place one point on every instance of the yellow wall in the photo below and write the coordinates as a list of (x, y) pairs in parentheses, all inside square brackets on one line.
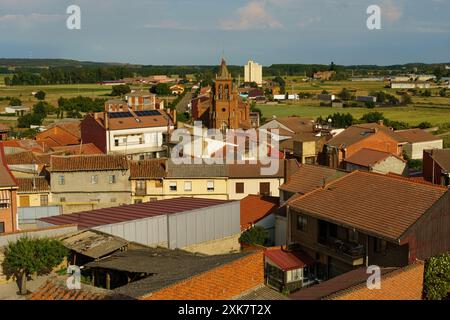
[(251, 186), (198, 188), (34, 199)]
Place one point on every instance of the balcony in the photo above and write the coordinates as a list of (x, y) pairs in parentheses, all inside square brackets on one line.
[(352, 253)]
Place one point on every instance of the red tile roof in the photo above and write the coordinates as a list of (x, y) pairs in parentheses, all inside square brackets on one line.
[(131, 212), (360, 132), (310, 177), (83, 149), (29, 185), (27, 157), (148, 169), (373, 203), (160, 120), (27, 145), (369, 157), (88, 163), (401, 284), (416, 135), (288, 260), (6, 177), (255, 207), (61, 134)]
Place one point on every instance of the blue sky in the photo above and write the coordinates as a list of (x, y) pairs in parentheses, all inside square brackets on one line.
[(197, 31)]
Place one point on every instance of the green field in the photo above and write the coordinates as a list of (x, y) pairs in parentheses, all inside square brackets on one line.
[(411, 114)]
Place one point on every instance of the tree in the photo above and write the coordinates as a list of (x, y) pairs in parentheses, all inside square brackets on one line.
[(120, 90), (29, 119), (373, 117), (338, 120), (15, 102), (27, 256), (345, 94), (424, 125), (426, 93), (42, 108), (437, 277), (443, 92), (40, 95), (254, 236)]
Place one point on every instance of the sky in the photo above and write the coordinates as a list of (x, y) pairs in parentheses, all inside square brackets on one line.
[(198, 32)]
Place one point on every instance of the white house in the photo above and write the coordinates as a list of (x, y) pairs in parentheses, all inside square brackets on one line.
[(417, 141)]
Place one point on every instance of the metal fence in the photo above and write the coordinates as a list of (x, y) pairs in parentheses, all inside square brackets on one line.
[(29, 215)]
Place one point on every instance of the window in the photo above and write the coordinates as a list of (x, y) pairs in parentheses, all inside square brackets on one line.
[(153, 199), (137, 201), (352, 235), (44, 200), (141, 186), (24, 201), (94, 179), (116, 142), (62, 199), (210, 185), (2, 227), (239, 187), (380, 246), (158, 184), (173, 186), (61, 180), (112, 179), (188, 186), (264, 188), (141, 157), (302, 222)]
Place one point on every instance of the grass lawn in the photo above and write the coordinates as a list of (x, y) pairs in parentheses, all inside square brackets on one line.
[(411, 114)]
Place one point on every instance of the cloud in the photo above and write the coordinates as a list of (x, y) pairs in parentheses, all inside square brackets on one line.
[(307, 22), (29, 20), (169, 25), (252, 16), (391, 11)]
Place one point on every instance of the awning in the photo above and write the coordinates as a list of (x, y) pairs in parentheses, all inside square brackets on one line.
[(288, 260)]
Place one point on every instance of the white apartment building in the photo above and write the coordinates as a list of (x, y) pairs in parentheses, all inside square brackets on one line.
[(253, 73)]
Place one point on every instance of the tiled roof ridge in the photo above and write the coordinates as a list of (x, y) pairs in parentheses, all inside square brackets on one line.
[(389, 274), (245, 256), (406, 179)]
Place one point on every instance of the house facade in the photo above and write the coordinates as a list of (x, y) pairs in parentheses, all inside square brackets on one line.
[(376, 161), (356, 221), (33, 192), (419, 140), (87, 182), (363, 136), (138, 134)]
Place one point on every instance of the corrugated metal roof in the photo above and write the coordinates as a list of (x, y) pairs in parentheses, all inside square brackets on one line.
[(131, 212)]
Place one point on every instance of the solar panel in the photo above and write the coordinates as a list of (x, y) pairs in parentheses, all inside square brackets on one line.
[(113, 115), (147, 113)]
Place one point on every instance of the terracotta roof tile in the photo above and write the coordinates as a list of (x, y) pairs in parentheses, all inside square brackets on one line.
[(288, 260), (28, 185), (88, 163), (4, 128), (148, 169), (27, 157), (402, 284), (369, 157), (366, 201), (160, 120), (310, 177), (255, 208), (83, 149), (416, 135)]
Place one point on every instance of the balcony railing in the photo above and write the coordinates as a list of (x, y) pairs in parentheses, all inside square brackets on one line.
[(141, 192), (347, 249)]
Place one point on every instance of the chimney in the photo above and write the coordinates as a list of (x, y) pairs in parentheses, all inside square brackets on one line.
[(291, 166), (106, 120)]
